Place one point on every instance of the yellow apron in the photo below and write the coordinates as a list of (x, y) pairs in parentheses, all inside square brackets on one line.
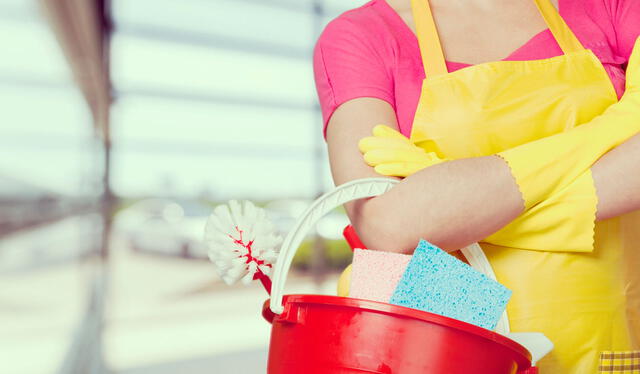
[(587, 302)]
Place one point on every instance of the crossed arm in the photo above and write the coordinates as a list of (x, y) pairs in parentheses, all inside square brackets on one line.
[(459, 202)]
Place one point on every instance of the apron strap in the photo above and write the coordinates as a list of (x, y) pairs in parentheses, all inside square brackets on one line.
[(428, 39), (433, 59), (561, 32)]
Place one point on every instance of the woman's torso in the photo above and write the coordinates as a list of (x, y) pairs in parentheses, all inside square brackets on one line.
[(532, 308), (584, 302)]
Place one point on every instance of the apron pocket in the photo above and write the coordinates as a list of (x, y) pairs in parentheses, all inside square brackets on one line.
[(619, 362)]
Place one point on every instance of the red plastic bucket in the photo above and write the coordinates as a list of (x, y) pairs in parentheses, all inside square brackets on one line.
[(339, 335), (331, 334)]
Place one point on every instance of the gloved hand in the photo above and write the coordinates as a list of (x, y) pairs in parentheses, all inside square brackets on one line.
[(557, 224), (564, 222), (393, 154), (549, 164), (554, 176)]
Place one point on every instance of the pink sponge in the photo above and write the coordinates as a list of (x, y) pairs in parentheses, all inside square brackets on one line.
[(375, 274)]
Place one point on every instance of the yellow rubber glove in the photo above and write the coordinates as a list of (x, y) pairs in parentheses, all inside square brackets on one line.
[(549, 164), (563, 222), (393, 154), (555, 179)]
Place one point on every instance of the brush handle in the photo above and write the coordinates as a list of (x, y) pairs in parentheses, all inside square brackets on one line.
[(354, 190), (264, 279), (352, 238)]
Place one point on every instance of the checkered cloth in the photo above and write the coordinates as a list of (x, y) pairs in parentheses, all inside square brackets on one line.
[(619, 362)]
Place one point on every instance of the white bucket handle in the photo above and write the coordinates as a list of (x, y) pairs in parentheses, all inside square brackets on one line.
[(354, 190)]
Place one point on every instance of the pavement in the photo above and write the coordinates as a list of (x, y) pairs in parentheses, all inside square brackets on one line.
[(39, 312), (163, 315), (251, 361)]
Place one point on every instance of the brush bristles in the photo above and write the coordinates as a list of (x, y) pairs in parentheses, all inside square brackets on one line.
[(241, 241)]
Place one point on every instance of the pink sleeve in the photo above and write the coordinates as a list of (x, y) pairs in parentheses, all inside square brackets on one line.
[(348, 64), (625, 15)]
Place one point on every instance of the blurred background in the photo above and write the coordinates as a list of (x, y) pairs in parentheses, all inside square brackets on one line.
[(122, 123)]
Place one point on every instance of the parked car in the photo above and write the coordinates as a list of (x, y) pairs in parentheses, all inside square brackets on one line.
[(165, 226)]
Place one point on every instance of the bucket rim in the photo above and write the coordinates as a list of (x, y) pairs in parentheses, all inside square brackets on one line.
[(401, 311)]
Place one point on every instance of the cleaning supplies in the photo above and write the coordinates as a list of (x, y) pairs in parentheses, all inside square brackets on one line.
[(437, 282), (391, 153), (328, 334), (242, 242), (375, 274), (322, 334)]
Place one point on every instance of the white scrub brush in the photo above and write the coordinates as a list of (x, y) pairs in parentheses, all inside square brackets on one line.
[(243, 243)]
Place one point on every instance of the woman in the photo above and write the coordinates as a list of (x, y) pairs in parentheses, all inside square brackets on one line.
[(370, 64)]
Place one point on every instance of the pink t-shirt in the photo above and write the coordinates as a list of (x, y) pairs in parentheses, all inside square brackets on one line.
[(370, 52)]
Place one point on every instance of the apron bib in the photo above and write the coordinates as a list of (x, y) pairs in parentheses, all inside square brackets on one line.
[(584, 302)]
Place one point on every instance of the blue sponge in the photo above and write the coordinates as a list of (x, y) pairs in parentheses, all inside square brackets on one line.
[(437, 282)]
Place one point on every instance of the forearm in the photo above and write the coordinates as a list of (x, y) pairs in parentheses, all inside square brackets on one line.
[(617, 179), (460, 202), (452, 205)]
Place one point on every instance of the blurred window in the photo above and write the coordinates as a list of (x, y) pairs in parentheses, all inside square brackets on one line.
[(218, 97), (46, 132)]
